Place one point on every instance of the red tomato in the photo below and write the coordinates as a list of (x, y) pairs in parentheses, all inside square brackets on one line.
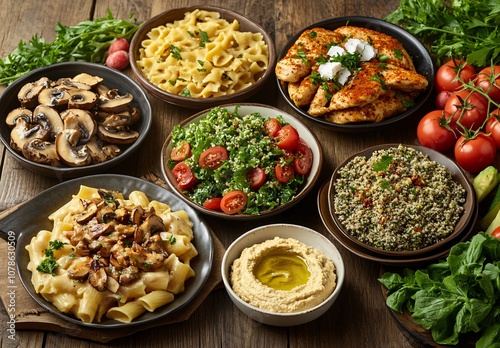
[(303, 158), (441, 99), (493, 126), (288, 138), (256, 177), (468, 108), (475, 154), (213, 157), (213, 203), (184, 176), (432, 131), (272, 127), (181, 151), (284, 173), (489, 80), (450, 75), (233, 202), (496, 232)]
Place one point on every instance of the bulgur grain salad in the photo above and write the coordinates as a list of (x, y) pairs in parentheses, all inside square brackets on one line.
[(398, 199)]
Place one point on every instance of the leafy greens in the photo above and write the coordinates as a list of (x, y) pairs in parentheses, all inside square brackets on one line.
[(454, 296), (454, 29), (87, 41)]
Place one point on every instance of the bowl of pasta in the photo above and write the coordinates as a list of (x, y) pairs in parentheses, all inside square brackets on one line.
[(241, 161), (201, 56), (380, 75), (77, 273)]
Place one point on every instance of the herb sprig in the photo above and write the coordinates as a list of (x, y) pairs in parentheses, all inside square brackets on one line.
[(454, 29), (87, 41), (49, 263)]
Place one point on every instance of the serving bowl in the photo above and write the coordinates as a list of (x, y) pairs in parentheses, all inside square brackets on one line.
[(422, 60), (245, 109), (112, 78), (302, 234), (53, 198), (246, 25), (462, 227)]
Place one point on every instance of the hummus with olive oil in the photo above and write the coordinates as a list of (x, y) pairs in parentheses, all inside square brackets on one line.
[(283, 275)]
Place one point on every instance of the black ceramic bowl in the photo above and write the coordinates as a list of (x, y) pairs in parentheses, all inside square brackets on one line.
[(421, 58), (112, 79)]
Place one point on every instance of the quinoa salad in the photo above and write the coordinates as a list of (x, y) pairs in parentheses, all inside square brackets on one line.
[(398, 199)]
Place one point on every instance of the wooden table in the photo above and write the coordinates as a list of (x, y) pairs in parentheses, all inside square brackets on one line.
[(359, 318)]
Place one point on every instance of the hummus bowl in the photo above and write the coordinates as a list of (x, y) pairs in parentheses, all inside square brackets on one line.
[(246, 109), (303, 235)]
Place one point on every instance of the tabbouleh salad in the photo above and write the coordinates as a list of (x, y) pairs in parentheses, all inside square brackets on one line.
[(249, 145), (398, 199)]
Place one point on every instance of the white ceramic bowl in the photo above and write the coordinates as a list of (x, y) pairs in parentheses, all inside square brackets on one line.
[(245, 109), (302, 234)]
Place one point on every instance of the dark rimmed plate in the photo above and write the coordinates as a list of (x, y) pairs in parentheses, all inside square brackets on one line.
[(420, 55), (41, 206)]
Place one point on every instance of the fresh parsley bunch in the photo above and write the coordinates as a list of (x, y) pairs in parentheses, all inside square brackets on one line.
[(454, 29), (454, 296), (87, 41)]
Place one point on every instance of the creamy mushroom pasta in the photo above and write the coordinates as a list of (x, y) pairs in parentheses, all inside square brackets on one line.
[(111, 256), (202, 56)]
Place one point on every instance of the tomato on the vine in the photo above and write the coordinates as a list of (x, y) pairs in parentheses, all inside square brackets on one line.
[(467, 107), (184, 176), (488, 79), (450, 75), (476, 153), (287, 137), (493, 126), (233, 202), (432, 131), (213, 157)]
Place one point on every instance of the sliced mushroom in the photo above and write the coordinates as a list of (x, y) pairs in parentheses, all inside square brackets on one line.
[(82, 99), (101, 152), (23, 132), (68, 150), (79, 271), (28, 94), (49, 119), (80, 120), (54, 97), (114, 102), (112, 285), (69, 84), (97, 275), (87, 215), (126, 136), (41, 151), (20, 112), (88, 79)]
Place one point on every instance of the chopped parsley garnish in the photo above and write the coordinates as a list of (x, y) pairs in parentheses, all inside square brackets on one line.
[(49, 264), (175, 52), (383, 164), (204, 38), (302, 55), (186, 92), (399, 53), (379, 80), (313, 34)]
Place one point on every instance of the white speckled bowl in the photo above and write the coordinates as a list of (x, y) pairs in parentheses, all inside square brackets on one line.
[(302, 234)]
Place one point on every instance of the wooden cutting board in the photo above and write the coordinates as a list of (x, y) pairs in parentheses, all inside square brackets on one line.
[(31, 316)]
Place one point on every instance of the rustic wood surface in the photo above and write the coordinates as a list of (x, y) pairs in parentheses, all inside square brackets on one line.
[(359, 318)]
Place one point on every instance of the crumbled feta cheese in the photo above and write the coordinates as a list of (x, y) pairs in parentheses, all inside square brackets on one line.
[(335, 51), (343, 75), (366, 50), (329, 70), (352, 45)]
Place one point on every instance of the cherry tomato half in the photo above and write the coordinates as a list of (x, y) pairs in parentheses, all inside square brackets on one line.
[(432, 131), (303, 158), (493, 126), (213, 203), (233, 202), (181, 151), (449, 74), (496, 232), (288, 138), (489, 80), (213, 157), (272, 127), (475, 154), (284, 173), (184, 176), (256, 177), (470, 108)]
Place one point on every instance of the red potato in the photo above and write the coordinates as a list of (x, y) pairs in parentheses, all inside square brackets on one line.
[(118, 60), (120, 44)]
